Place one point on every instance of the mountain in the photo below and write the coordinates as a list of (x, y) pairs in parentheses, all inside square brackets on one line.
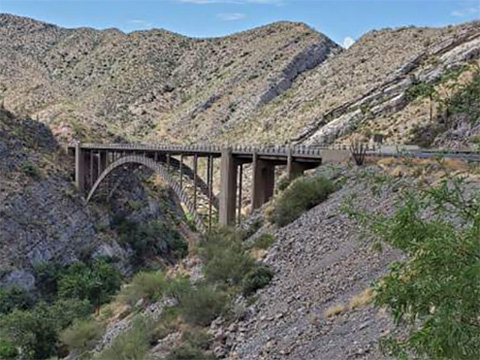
[(104, 84), (279, 83)]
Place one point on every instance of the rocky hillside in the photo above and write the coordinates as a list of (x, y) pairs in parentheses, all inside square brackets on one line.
[(278, 83), (42, 217), (365, 89), (92, 84)]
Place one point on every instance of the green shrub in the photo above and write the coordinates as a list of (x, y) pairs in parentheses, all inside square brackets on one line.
[(225, 258), (285, 181), (257, 279), (7, 350), (146, 239), (167, 323), (302, 195), (178, 246), (15, 297), (30, 169), (178, 286), (96, 283), (82, 335), (149, 286), (197, 338), (36, 332), (46, 279), (130, 345), (263, 241), (252, 229), (201, 304), (188, 352)]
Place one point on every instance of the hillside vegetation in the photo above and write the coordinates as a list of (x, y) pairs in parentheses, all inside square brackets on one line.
[(274, 84)]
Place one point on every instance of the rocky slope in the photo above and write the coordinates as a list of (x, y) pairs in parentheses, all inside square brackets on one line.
[(84, 82), (274, 84), (42, 217), (364, 89), (320, 262)]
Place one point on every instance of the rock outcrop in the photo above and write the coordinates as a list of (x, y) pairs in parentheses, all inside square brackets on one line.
[(43, 218)]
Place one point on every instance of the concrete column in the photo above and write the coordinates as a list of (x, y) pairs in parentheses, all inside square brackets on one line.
[(240, 184), (195, 180), (263, 181), (210, 190), (80, 168), (228, 192), (295, 169), (102, 162)]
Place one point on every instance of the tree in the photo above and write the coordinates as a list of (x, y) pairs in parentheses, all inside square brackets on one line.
[(36, 332), (436, 291), (96, 283)]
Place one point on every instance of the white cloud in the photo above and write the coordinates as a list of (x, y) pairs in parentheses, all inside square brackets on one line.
[(141, 24), (347, 42), (466, 12), (231, 16)]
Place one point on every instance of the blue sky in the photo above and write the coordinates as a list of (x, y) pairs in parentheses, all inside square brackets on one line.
[(342, 20)]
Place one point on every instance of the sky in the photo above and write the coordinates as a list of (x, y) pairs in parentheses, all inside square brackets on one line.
[(344, 21)]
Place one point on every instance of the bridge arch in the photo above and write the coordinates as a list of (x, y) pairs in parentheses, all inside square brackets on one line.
[(159, 169)]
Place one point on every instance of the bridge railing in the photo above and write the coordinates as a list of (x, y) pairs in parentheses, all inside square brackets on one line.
[(295, 150)]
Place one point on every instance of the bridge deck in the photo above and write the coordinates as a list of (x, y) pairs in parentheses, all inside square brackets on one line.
[(281, 153)]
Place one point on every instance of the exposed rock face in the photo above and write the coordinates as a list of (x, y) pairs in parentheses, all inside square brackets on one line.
[(42, 218), (364, 88)]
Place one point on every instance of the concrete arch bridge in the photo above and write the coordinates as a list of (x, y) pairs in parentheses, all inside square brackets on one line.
[(96, 165)]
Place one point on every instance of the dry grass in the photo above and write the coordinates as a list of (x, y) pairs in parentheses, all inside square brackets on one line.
[(334, 310), (361, 300)]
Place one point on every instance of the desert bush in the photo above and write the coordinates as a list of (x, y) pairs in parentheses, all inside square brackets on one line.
[(177, 287), (198, 338), (188, 352), (285, 181), (31, 170), (201, 304), (167, 323), (256, 279), (149, 286), (225, 258), (251, 229), (15, 297), (82, 335), (300, 196), (263, 241), (7, 350), (132, 344)]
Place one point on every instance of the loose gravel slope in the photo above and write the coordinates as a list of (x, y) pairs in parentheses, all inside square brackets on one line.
[(319, 262)]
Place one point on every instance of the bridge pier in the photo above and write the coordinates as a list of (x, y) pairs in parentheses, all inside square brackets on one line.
[(263, 181), (228, 174), (80, 168), (102, 162)]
